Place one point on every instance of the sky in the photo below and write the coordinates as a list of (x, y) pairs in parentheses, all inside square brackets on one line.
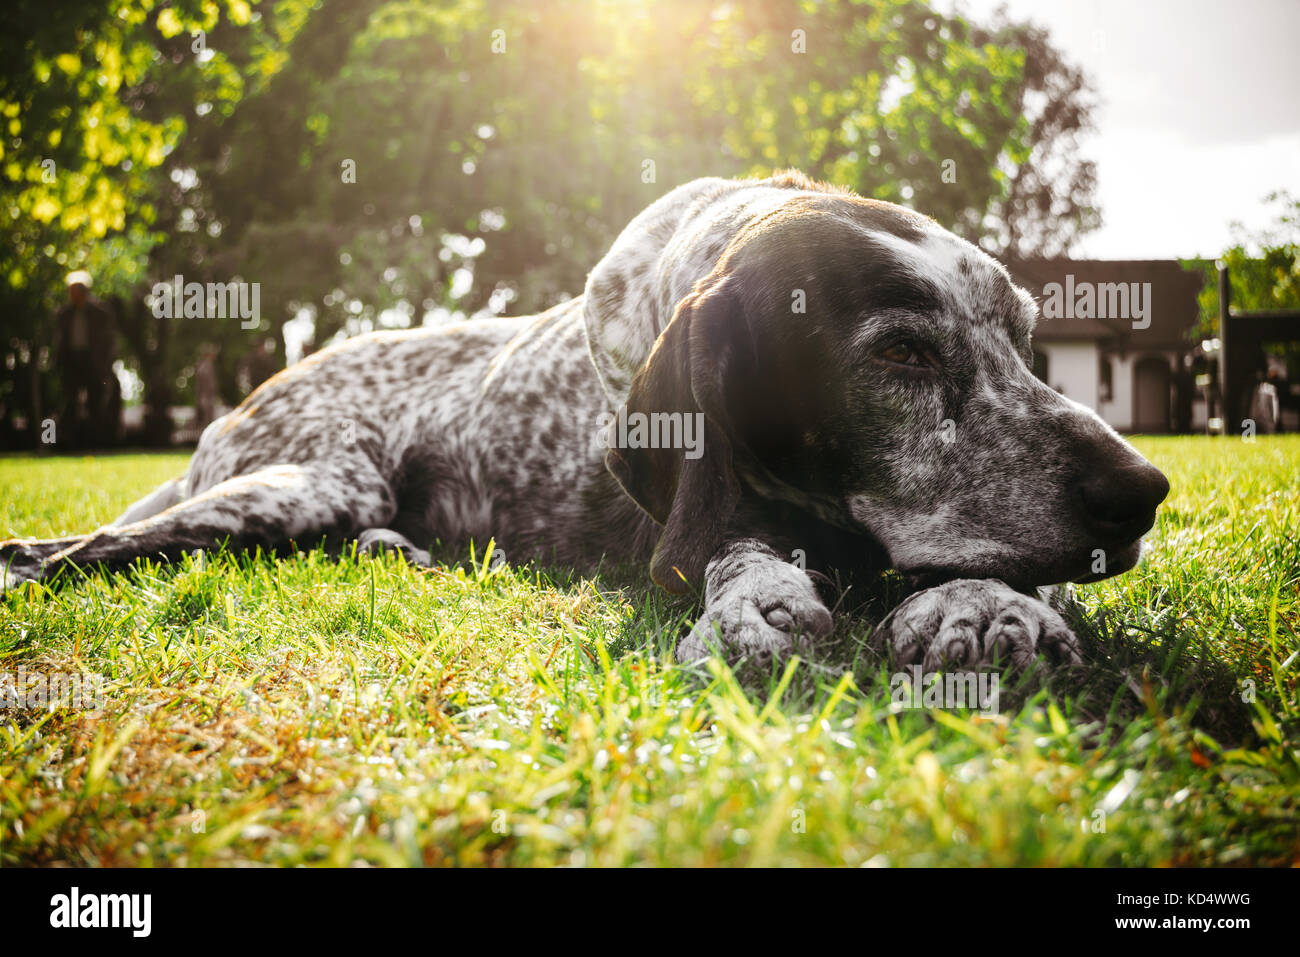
[(1199, 114)]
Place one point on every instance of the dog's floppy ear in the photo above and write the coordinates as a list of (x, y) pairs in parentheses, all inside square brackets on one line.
[(631, 293), (706, 344)]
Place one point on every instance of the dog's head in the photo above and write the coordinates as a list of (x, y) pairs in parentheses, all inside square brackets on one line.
[(855, 359)]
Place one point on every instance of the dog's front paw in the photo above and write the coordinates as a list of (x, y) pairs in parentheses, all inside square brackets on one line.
[(375, 540), (973, 623), (762, 616)]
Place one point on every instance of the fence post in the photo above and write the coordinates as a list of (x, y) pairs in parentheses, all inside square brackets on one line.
[(1226, 399)]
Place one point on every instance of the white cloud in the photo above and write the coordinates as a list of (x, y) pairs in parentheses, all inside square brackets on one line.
[(1198, 120)]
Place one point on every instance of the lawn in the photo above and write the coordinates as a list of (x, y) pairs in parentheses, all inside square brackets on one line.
[(306, 710)]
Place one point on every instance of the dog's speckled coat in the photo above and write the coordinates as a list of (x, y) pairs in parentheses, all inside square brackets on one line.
[(892, 420)]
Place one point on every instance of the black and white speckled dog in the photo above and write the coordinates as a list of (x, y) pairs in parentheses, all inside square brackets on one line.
[(862, 379)]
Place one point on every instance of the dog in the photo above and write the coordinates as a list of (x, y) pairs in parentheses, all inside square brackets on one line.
[(765, 383)]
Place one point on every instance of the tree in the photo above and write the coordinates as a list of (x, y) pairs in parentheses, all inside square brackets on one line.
[(1264, 266), (94, 97), (369, 162), (492, 139)]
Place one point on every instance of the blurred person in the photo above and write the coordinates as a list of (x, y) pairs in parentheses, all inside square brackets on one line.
[(1282, 389), (205, 386), (1264, 407), (84, 348), (257, 366)]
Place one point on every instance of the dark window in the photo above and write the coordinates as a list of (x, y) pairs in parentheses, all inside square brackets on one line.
[(1106, 376)]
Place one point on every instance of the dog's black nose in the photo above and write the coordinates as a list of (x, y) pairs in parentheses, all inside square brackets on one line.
[(1121, 501)]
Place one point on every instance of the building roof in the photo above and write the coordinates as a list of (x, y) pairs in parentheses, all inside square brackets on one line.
[(1063, 330), (1173, 292)]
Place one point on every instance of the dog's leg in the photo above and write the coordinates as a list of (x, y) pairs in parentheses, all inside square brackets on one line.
[(159, 500), (269, 507), (757, 606), (973, 623)]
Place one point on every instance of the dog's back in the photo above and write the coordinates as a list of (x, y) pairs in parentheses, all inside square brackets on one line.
[(487, 428)]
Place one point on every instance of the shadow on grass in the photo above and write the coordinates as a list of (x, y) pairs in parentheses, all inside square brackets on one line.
[(1136, 662)]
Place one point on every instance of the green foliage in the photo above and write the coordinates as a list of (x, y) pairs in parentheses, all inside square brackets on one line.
[(1264, 268), (95, 96), (515, 145), (84, 132), (498, 146)]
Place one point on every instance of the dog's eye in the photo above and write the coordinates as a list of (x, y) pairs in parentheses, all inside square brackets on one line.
[(903, 354)]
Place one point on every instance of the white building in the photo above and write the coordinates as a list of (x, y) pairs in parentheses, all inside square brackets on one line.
[(1114, 336)]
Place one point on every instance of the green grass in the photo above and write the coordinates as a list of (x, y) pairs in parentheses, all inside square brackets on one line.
[(305, 710)]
